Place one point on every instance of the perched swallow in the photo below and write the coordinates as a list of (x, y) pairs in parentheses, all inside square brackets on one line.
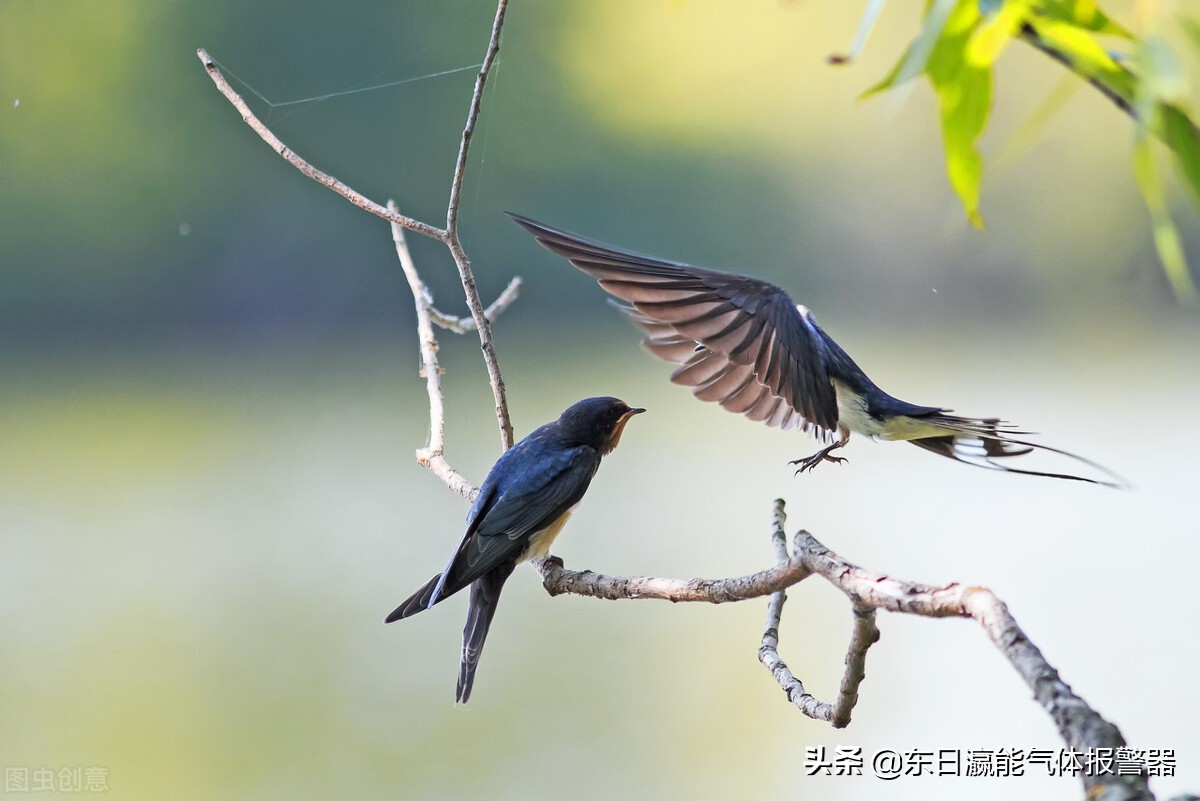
[(523, 503), (745, 344)]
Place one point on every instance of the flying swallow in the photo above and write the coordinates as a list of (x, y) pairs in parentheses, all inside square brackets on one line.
[(523, 503), (745, 344)]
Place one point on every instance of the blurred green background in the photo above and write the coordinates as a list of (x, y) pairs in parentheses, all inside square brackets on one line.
[(210, 400)]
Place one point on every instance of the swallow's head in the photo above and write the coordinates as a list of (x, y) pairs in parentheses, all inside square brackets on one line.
[(597, 422)]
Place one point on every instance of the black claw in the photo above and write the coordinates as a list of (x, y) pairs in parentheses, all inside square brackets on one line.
[(811, 462)]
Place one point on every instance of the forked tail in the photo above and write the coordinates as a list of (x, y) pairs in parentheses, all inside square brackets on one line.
[(417, 602), (980, 441), (485, 594)]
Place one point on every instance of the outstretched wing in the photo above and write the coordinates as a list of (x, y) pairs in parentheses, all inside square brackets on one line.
[(739, 341)]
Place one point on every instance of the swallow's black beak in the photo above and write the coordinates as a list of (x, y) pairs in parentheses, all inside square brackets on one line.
[(619, 427)]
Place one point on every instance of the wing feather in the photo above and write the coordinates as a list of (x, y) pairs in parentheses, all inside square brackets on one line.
[(528, 488), (742, 342), (731, 379), (702, 368), (744, 400)]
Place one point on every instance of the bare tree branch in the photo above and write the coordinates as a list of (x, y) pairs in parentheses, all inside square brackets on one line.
[(1080, 726), (289, 155), (559, 581), (432, 455), (768, 652), (456, 249), (865, 634), (464, 144), (461, 325), (447, 236)]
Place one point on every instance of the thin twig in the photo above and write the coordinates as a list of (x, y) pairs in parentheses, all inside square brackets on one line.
[(465, 273), (432, 455), (1123, 100), (865, 634), (289, 155), (464, 144), (1029, 35), (768, 652), (448, 236), (461, 325), (1080, 726)]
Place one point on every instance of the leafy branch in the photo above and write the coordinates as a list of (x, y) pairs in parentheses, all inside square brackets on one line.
[(959, 44)]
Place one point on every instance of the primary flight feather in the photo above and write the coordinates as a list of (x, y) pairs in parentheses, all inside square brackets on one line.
[(745, 344)]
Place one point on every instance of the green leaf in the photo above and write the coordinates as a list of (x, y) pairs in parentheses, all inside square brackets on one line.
[(1082, 14), (1087, 56), (993, 35), (1182, 137), (1076, 42), (937, 13), (1161, 85), (887, 81), (964, 93), (1166, 237), (963, 88), (1162, 88)]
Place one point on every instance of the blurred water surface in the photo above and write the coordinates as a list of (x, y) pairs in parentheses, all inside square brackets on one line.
[(200, 550)]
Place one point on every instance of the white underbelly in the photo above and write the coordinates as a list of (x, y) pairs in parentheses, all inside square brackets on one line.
[(852, 414), (539, 544)]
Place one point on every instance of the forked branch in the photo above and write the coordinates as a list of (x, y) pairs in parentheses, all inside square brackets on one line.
[(448, 236), (1080, 726)]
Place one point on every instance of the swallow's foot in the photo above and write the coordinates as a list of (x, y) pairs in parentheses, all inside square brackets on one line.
[(551, 559), (809, 462)]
